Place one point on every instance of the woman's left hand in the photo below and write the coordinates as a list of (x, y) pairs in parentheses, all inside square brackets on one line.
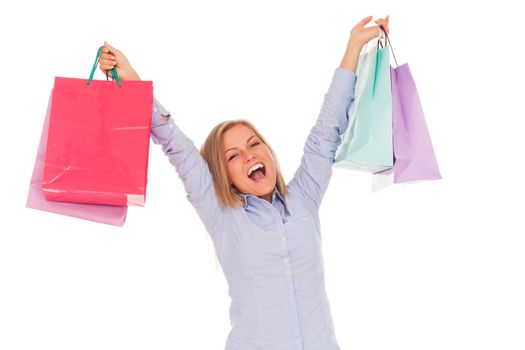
[(359, 36)]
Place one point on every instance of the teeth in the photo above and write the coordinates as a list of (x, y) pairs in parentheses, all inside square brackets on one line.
[(255, 167)]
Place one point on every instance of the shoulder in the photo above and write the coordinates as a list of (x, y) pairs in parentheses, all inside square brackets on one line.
[(298, 202)]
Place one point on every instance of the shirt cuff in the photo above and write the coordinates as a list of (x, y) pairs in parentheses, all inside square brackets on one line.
[(158, 112), (160, 129)]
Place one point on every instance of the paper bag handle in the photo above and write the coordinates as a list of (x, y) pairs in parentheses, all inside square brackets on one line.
[(113, 70), (389, 43)]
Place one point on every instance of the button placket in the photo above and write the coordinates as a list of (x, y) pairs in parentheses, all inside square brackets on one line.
[(286, 261)]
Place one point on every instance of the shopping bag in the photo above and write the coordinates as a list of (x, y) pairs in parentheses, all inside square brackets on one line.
[(414, 155), (366, 144), (414, 158), (108, 214), (98, 141)]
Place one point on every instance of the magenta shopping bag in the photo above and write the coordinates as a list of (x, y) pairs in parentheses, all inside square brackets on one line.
[(108, 214)]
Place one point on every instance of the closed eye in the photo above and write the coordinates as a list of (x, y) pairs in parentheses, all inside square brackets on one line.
[(236, 154)]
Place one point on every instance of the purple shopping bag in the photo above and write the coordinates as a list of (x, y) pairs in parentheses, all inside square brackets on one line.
[(107, 214), (414, 158), (413, 152)]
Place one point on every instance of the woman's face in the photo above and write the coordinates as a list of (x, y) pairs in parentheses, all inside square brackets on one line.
[(250, 165)]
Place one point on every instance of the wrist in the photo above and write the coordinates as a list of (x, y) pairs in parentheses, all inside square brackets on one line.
[(131, 76), (134, 75), (350, 58), (353, 48)]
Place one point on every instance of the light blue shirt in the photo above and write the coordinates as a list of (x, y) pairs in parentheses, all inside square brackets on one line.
[(270, 253)]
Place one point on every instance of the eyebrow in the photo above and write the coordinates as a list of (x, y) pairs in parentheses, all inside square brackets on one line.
[(249, 138)]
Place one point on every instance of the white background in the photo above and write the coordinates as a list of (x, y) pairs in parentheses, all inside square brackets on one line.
[(435, 265)]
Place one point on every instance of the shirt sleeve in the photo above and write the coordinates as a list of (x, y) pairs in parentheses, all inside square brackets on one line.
[(315, 170), (191, 167)]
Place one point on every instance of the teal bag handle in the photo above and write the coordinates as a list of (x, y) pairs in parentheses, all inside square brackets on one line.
[(389, 44), (113, 70)]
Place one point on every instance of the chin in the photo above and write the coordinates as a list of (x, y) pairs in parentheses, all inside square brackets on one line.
[(260, 189)]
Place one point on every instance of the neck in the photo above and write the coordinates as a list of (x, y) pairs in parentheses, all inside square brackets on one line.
[(267, 197)]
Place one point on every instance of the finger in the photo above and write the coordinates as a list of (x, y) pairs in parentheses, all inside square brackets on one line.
[(373, 32), (384, 24), (379, 22), (107, 56), (107, 62), (106, 67), (106, 51), (111, 48), (365, 20), (106, 71)]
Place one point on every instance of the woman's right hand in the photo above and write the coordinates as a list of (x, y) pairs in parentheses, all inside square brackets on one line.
[(111, 57)]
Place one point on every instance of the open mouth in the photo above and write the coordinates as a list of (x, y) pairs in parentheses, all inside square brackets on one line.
[(257, 172)]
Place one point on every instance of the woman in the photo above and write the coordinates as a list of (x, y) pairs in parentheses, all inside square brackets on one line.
[(266, 234)]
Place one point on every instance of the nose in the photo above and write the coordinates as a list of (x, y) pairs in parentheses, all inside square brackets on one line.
[(248, 157)]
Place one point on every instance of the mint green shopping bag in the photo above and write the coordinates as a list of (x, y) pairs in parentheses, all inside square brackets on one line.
[(366, 144)]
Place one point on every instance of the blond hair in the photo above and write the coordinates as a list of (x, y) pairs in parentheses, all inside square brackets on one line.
[(213, 153)]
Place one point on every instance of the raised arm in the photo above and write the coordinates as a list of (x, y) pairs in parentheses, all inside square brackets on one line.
[(180, 150), (191, 167), (314, 172)]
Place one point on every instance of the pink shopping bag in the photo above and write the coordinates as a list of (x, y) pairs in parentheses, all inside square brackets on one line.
[(108, 214), (98, 140)]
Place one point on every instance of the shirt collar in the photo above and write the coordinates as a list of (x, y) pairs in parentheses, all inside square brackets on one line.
[(248, 197)]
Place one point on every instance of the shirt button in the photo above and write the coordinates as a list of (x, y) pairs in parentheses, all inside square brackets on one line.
[(283, 239), (288, 272), (285, 261)]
